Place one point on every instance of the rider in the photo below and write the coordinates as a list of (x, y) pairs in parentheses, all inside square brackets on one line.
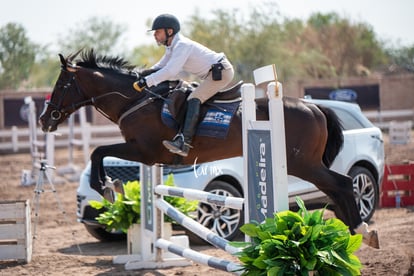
[(184, 54)]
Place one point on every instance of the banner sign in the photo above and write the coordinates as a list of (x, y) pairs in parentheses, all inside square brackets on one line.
[(260, 180)]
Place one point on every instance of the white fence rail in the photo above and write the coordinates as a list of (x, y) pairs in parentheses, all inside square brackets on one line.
[(16, 139), (383, 118)]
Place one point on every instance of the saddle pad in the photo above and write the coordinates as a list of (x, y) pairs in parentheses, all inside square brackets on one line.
[(167, 118), (215, 123)]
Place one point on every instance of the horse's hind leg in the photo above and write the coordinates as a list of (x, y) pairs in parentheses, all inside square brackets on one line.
[(340, 189)]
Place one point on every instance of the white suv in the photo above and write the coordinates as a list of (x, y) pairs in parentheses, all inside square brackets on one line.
[(362, 158)]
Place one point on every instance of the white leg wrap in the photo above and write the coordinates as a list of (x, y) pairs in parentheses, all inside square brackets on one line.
[(362, 229)]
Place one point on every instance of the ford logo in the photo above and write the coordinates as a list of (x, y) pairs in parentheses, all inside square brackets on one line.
[(348, 95)]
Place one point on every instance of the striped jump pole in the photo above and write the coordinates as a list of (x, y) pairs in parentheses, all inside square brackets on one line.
[(199, 257), (206, 197), (195, 227)]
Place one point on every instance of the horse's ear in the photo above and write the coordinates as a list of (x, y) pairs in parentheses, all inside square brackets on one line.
[(66, 65), (63, 60), (72, 56)]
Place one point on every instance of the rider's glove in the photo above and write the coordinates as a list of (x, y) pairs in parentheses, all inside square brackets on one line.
[(140, 84)]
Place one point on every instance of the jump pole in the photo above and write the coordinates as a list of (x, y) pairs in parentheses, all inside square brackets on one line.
[(151, 233)]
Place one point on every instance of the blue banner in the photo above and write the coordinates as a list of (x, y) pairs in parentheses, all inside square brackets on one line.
[(260, 175)]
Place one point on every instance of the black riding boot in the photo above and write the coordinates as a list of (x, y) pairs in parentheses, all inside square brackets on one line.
[(181, 144)]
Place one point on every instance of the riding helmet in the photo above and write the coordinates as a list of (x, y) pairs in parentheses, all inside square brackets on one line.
[(166, 21)]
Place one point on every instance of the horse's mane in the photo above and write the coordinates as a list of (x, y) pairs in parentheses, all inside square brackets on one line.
[(89, 59)]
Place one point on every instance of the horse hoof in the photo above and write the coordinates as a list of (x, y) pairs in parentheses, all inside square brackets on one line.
[(108, 194), (371, 239), (118, 186)]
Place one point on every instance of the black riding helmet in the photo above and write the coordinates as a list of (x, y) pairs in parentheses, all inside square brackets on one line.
[(166, 21)]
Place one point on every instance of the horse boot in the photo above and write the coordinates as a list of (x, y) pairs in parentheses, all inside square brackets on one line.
[(181, 143)]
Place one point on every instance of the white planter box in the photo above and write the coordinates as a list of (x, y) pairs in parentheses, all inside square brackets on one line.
[(15, 231)]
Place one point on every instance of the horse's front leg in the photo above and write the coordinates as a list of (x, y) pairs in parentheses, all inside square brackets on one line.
[(99, 180)]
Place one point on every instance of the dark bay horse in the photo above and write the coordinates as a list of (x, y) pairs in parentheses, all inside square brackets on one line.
[(313, 133)]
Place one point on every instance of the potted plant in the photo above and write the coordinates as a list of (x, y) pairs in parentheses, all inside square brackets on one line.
[(126, 209), (299, 243)]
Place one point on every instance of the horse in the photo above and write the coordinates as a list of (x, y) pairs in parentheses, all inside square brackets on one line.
[(313, 133)]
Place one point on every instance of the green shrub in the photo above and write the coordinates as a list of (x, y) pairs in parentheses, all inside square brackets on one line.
[(295, 243), (126, 209)]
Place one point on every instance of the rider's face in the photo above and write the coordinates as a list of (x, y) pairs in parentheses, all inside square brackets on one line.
[(160, 36)]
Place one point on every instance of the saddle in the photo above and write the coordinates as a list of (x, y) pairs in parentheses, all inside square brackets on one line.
[(215, 113)]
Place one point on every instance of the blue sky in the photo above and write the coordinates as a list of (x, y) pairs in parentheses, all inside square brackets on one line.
[(47, 20)]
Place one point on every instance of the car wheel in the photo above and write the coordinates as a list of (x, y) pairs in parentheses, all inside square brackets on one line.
[(101, 234), (221, 220), (365, 191)]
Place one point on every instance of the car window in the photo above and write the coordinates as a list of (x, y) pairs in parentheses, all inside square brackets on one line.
[(349, 121)]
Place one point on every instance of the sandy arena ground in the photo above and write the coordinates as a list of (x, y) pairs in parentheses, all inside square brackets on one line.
[(59, 237)]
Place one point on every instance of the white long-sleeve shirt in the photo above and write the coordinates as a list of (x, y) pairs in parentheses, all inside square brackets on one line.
[(186, 55)]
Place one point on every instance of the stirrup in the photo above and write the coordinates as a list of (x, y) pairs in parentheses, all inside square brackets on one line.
[(181, 136), (178, 145)]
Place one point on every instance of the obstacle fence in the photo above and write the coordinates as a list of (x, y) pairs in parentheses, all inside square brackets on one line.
[(266, 192)]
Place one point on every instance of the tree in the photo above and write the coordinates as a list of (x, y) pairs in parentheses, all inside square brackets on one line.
[(17, 55), (44, 72), (98, 33), (402, 57), (324, 46), (332, 46)]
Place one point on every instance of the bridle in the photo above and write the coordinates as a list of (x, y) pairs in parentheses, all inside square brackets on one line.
[(59, 110)]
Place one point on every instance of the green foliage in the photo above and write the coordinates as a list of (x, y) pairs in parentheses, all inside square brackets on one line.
[(403, 57), (126, 209), (17, 55), (295, 243)]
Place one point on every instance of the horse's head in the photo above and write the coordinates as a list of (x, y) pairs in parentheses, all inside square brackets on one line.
[(66, 96)]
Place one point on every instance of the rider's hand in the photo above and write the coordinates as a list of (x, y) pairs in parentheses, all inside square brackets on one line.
[(140, 84)]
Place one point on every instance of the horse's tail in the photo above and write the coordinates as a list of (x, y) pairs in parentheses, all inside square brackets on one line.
[(335, 136)]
